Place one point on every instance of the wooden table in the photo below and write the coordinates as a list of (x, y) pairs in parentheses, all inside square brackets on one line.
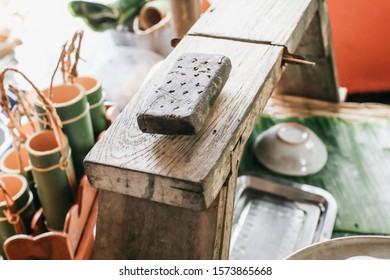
[(171, 197)]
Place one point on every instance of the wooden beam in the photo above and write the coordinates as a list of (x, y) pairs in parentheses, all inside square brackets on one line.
[(150, 230), (277, 22), (320, 81), (230, 186), (140, 229), (187, 171), (302, 26)]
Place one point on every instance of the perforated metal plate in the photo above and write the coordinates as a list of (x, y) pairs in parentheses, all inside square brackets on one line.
[(273, 219)]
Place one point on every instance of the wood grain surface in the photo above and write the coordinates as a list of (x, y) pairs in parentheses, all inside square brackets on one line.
[(277, 22), (320, 81), (141, 229), (302, 26)]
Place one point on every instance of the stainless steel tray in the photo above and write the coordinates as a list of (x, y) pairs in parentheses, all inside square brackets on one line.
[(272, 219)]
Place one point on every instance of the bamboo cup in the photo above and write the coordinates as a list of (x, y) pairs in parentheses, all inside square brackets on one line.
[(16, 187), (72, 107), (49, 153), (95, 99), (153, 12), (185, 14), (16, 161), (49, 170)]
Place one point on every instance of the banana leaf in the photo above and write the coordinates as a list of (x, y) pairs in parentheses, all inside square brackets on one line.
[(357, 172), (100, 17)]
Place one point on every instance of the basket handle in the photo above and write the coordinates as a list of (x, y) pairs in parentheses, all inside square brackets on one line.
[(54, 121), (69, 71), (24, 107), (14, 124)]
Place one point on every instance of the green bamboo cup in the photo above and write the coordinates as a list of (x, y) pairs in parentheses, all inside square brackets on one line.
[(16, 186), (95, 99), (54, 189), (9, 164), (72, 107)]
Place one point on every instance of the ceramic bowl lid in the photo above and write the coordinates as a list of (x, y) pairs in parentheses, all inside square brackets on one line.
[(290, 149)]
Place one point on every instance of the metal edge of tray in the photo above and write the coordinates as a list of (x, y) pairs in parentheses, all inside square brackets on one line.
[(295, 192)]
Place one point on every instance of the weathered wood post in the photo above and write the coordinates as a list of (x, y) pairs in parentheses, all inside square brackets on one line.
[(321, 81), (171, 197)]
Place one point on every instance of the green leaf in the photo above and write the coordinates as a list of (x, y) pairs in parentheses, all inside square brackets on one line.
[(97, 16), (127, 16), (101, 17), (124, 5), (357, 172)]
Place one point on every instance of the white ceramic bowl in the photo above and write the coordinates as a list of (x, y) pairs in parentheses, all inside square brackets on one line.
[(290, 149)]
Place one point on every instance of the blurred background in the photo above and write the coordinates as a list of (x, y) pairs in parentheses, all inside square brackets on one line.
[(359, 30), (41, 27), (361, 40)]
